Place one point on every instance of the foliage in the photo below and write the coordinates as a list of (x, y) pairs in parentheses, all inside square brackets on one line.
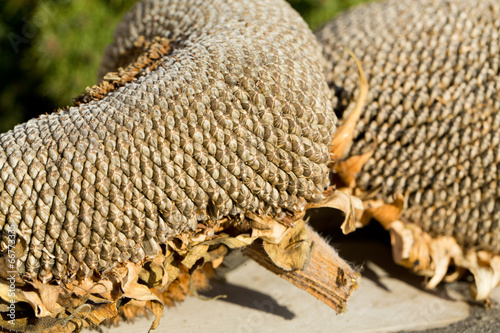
[(50, 49), (318, 12)]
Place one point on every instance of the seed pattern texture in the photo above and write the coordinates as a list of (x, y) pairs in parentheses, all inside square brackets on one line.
[(223, 122), (227, 124), (433, 110)]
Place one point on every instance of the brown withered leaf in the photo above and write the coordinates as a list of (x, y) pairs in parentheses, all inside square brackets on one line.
[(293, 251)]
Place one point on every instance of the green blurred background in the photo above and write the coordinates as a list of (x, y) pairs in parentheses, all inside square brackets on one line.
[(50, 49)]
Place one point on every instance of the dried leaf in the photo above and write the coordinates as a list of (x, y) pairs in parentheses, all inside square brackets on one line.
[(351, 206), (416, 249), (293, 251), (101, 312), (383, 212), (343, 137), (348, 169), (194, 255), (48, 295), (140, 292), (154, 275)]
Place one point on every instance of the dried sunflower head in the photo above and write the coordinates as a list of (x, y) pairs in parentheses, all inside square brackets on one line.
[(209, 131), (425, 154)]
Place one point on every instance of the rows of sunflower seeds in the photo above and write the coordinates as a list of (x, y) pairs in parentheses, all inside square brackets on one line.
[(225, 125), (433, 112)]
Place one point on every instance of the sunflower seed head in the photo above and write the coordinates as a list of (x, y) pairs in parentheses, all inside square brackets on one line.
[(433, 109), (233, 120)]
